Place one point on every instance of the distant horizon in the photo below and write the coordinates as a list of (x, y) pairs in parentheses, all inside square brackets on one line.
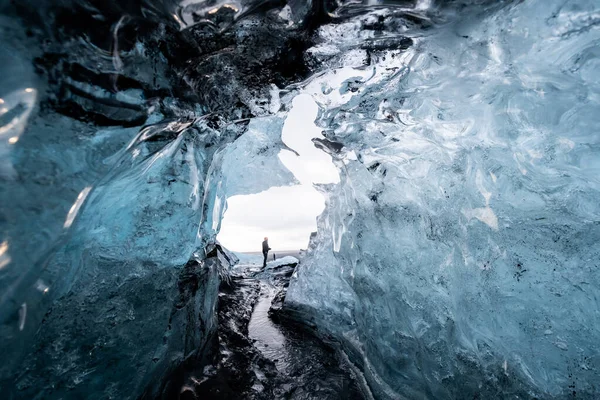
[(260, 252)]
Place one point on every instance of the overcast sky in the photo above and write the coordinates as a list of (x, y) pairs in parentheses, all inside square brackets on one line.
[(287, 215)]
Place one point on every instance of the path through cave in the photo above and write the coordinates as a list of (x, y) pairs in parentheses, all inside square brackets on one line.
[(261, 354)]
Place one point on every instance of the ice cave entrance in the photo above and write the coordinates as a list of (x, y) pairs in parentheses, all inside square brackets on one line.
[(284, 214)]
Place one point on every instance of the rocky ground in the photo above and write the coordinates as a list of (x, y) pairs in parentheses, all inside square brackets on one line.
[(257, 358)]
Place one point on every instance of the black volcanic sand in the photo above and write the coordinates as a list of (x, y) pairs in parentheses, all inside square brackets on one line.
[(270, 360)]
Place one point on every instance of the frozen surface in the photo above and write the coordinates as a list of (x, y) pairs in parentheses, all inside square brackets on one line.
[(248, 258), (251, 165), (109, 267), (130, 282), (459, 255), (287, 260)]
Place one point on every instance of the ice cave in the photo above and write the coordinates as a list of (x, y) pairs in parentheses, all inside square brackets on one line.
[(438, 158)]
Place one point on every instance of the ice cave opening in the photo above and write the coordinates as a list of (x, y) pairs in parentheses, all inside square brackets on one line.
[(285, 214)]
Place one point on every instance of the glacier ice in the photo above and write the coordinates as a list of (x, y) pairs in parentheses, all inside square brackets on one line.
[(287, 260), (131, 284), (459, 256), (251, 165), (112, 197)]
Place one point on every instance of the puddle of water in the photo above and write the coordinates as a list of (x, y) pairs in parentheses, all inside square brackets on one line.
[(269, 339)]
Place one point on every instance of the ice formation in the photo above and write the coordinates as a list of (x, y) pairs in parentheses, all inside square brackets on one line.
[(457, 257), (109, 269), (287, 260)]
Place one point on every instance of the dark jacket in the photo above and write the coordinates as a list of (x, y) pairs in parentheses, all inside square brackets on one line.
[(266, 247)]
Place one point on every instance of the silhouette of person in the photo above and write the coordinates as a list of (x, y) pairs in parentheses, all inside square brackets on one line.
[(265, 250)]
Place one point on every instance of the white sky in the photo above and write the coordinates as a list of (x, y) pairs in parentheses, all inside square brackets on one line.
[(286, 214)]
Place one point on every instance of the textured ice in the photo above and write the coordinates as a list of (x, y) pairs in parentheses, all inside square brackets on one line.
[(287, 260), (459, 255), (132, 282), (109, 267), (250, 165), (17, 97)]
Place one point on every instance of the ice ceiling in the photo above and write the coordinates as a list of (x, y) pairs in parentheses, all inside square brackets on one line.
[(457, 257)]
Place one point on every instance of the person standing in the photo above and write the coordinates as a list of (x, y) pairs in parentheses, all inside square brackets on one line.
[(265, 249)]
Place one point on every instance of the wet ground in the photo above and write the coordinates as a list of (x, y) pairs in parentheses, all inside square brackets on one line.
[(258, 358)]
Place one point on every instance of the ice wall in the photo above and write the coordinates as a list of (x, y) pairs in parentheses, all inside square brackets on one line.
[(458, 257), (109, 267), (122, 289)]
